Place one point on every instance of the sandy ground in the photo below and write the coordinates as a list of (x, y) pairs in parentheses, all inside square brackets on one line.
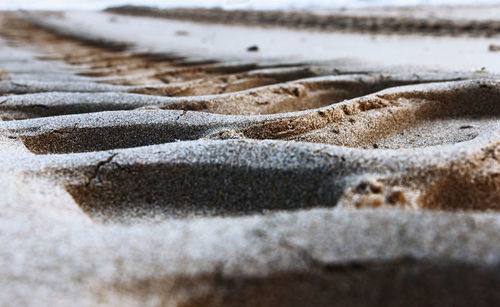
[(133, 177), (451, 12), (218, 41)]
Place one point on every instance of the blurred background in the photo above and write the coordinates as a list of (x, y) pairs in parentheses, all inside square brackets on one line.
[(226, 4)]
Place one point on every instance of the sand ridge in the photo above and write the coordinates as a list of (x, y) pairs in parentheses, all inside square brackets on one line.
[(428, 20)]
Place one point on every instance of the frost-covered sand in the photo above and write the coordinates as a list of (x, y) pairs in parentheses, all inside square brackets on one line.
[(153, 162)]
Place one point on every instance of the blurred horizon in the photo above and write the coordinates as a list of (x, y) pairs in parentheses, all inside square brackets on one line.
[(227, 4)]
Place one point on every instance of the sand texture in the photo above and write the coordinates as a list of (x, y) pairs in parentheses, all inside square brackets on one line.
[(132, 174), (479, 20)]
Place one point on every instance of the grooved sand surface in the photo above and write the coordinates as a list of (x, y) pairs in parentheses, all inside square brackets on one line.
[(177, 169)]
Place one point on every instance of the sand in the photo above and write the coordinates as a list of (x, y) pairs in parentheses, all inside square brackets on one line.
[(473, 20), (150, 175), (212, 41)]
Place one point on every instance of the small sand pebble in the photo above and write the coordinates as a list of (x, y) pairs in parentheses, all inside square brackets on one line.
[(466, 127), (253, 48), (494, 47), (181, 33)]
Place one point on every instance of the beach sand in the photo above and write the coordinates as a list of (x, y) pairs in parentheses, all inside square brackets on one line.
[(167, 162)]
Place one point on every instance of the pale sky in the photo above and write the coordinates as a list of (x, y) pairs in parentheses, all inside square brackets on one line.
[(227, 4)]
